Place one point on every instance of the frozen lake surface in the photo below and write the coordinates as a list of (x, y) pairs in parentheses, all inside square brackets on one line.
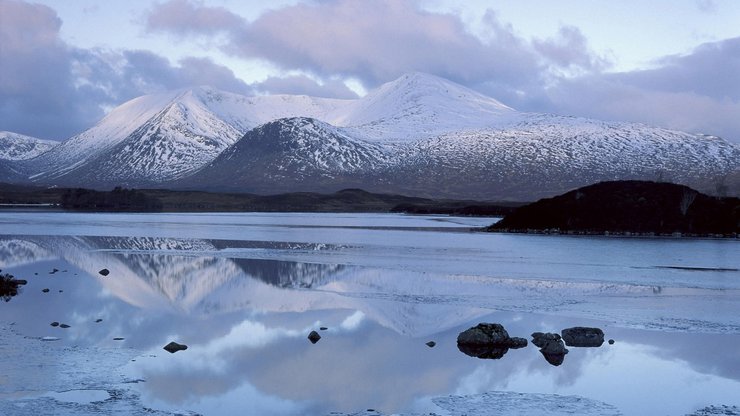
[(244, 290)]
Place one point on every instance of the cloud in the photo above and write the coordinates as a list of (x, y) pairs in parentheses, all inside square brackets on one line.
[(570, 51), (186, 18), (697, 92), (50, 89), (371, 41), (303, 85)]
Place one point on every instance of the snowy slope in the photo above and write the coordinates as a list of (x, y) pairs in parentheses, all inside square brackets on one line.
[(419, 134), (292, 154), (14, 146), (418, 105)]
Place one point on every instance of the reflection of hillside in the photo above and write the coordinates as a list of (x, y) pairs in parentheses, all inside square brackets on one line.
[(196, 276), (15, 251), (289, 274)]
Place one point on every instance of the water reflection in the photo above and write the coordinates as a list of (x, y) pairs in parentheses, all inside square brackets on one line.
[(245, 321)]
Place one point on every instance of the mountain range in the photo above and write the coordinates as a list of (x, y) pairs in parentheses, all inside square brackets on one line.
[(418, 135)]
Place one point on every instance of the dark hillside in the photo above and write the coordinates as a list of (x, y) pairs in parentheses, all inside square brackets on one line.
[(629, 206)]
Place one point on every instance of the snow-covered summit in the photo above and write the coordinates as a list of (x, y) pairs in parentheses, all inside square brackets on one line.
[(14, 146), (419, 105), (419, 134)]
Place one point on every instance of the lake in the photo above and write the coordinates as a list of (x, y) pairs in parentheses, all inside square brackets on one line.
[(243, 291)]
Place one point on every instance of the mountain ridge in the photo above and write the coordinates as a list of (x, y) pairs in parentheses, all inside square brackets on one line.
[(419, 134)]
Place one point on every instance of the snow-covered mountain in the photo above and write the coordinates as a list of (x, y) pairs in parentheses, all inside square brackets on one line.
[(419, 134), (14, 146)]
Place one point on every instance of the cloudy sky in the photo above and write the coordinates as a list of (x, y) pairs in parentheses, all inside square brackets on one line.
[(671, 63)]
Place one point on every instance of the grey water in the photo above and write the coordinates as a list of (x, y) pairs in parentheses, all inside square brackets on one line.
[(244, 290)]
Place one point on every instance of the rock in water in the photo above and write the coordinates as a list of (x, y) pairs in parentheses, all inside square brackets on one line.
[(104, 272), (314, 337), (487, 340), (65, 326), (55, 324), (551, 346), (174, 347), (45, 290), (431, 344), (484, 334), (580, 336)]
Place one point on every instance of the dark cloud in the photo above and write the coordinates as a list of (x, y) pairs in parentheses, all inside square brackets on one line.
[(302, 85), (49, 89)]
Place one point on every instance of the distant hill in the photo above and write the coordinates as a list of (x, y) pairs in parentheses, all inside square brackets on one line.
[(628, 206), (156, 200)]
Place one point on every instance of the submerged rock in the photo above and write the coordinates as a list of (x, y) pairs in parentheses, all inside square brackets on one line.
[(580, 336), (488, 352), (174, 347), (104, 272), (487, 340), (65, 326), (314, 337), (97, 321)]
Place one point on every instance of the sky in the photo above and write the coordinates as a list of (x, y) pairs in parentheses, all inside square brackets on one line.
[(669, 63)]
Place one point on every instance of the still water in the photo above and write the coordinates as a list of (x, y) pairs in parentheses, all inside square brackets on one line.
[(243, 291)]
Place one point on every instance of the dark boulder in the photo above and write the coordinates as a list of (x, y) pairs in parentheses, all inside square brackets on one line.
[(540, 339), (174, 347), (611, 342), (104, 272), (314, 337), (487, 340), (431, 344), (580, 336), (551, 346), (323, 328), (489, 352), (54, 324), (484, 334)]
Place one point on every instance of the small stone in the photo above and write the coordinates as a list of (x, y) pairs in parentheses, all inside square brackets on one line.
[(611, 342), (55, 324), (65, 326), (323, 328), (314, 337), (45, 290), (431, 344), (104, 272), (174, 347)]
